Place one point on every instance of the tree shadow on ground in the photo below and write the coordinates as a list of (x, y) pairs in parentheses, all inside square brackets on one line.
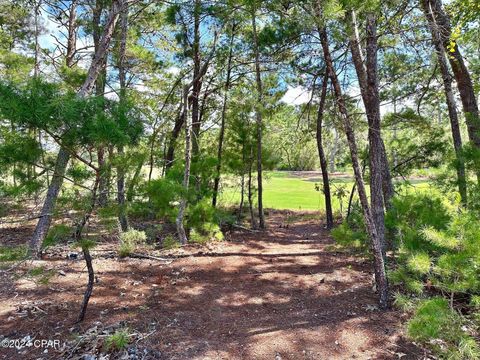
[(302, 302)]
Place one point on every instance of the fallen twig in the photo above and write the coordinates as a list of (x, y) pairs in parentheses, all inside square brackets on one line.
[(151, 257), (244, 228)]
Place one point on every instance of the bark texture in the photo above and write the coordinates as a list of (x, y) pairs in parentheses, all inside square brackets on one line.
[(381, 188)]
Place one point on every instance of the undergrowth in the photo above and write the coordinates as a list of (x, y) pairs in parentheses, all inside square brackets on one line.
[(434, 268)]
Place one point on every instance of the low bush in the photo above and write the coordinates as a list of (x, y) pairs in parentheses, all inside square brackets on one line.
[(170, 242), (438, 326), (436, 272), (129, 240), (118, 340), (352, 233)]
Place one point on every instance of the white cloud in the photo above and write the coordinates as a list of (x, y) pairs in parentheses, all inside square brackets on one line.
[(296, 96)]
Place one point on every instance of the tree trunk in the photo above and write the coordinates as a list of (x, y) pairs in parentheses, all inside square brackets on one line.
[(258, 112), (381, 188), (197, 83), (89, 289), (63, 156), (460, 71), (378, 158), (323, 158), (221, 136), (99, 93), (450, 99), (122, 77), (170, 157), (186, 178), (45, 219), (253, 220), (379, 264), (85, 249), (135, 178), (122, 216)]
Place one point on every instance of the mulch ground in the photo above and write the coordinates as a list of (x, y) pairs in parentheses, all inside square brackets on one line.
[(285, 293)]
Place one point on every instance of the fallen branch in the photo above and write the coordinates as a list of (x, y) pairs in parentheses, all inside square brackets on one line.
[(150, 257), (244, 228)]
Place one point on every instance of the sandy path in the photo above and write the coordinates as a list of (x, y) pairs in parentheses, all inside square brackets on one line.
[(281, 294)]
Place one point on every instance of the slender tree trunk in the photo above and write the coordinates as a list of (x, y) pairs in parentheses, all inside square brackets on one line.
[(378, 158), (85, 249), (45, 219), (63, 156), (221, 136), (321, 153), (258, 112), (460, 71), (99, 93), (122, 76), (381, 188), (253, 220), (36, 68), (379, 264), (186, 178), (89, 289), (122, 216), (170, 156), (188, 147), (450, 99), (242, 197), (197, 84), (72, 34)]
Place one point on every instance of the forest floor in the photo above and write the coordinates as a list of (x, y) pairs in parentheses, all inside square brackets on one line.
[(285, 293)]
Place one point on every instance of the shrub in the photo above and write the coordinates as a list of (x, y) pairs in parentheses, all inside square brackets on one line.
[(129, 241), (403, 302), (433, 319), (436, 325), (169, 242), (352, 233), (410, 214), (419, 263), (203, 222), (118, 340)]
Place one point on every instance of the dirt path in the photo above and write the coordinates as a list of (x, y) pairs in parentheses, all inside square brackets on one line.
[(282, 294)]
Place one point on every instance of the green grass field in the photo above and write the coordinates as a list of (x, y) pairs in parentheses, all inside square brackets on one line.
[(283, 190)]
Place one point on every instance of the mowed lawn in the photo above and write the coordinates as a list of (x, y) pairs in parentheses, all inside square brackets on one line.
[(297, 191)]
